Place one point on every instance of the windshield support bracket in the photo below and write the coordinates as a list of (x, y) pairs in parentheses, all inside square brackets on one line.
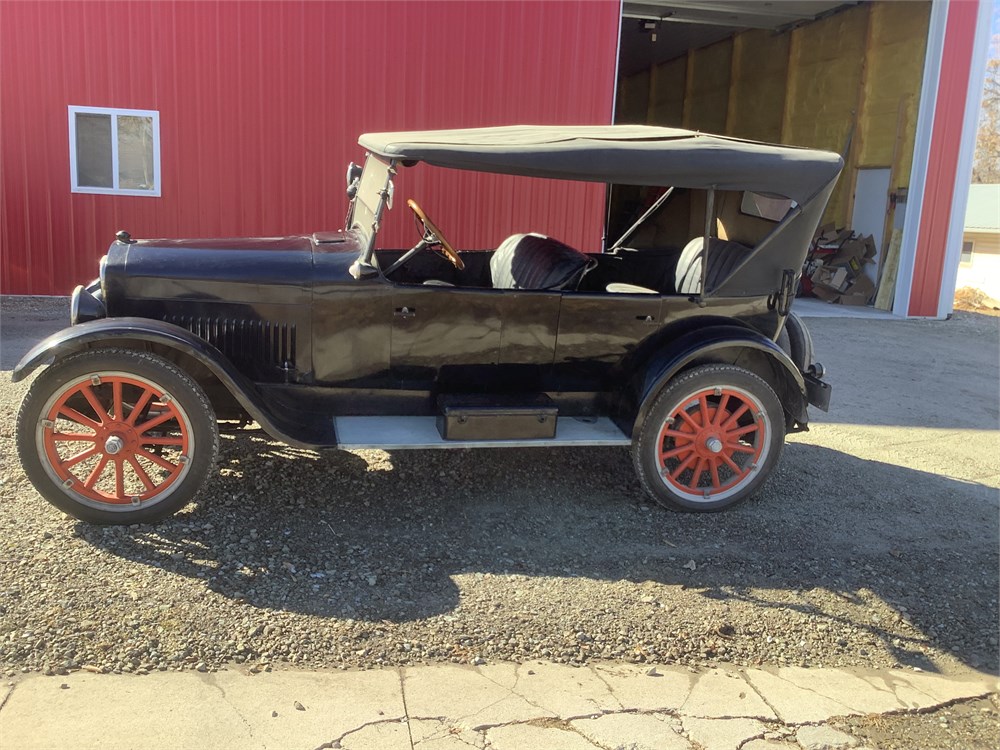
[(709, 222), (649, 212)]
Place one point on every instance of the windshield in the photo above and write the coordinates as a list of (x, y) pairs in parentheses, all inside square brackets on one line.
[(374, 194)]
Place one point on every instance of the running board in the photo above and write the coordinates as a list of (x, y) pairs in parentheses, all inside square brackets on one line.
[(395, 433)]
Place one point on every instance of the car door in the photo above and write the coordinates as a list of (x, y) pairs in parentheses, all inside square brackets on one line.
[(444, 338), (457, 339), (596, 330)]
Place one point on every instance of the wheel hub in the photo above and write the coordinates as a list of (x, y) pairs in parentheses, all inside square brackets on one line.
[(710, 444), (121, 440)]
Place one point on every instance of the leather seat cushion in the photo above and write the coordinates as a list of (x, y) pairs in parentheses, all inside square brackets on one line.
[(533, 261), (723, 257)]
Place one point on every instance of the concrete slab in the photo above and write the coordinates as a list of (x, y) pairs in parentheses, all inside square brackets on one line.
[(466, 696), (824, 738), (335, 703), (221, 711), (394, 736), (817, 308), (103, 712), (723, 734), (718, 694), (802, 696), (5, 691), (632, 731), (550, 737), (923, 689), (799, 703), (565, 691), (442, 735), (633, 688), (447, 707)]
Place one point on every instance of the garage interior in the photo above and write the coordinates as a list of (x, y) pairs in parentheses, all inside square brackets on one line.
[(845, 77)]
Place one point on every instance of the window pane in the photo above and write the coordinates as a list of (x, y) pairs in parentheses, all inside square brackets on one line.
[(765, 206), (93, 150), (135, 153)]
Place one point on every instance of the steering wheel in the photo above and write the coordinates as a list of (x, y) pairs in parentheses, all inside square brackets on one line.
[(432, 237)]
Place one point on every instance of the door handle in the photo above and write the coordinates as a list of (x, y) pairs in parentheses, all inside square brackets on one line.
[(647, 319), (405, 312)]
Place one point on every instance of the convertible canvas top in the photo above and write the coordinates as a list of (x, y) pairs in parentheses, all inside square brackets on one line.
[(624, 154)]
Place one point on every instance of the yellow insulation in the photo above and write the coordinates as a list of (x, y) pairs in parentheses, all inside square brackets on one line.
[(898, 43), (757, 94), (633, 99), (823, 85), (861, 67), (707, 96), (666, 93)]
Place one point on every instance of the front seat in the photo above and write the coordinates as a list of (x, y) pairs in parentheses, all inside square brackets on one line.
[(723, 257), (534, 261)]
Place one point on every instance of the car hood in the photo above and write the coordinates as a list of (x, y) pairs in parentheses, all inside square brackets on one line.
[(290, 244)]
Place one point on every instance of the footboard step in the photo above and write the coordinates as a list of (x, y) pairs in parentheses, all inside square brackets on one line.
[(394, 433)]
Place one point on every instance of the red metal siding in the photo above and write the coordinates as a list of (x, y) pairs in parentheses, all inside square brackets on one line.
[(942, 160), (260, 108)]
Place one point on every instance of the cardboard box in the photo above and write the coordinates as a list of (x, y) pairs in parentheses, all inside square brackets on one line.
[(859, 292), (837, 267), (859, 250), (837, 279), (827, 295)]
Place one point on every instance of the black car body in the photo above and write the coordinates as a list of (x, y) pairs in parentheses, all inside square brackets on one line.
[(329, 341)]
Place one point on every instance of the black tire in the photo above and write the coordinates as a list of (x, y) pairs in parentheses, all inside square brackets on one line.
[(784, 342), (757, 435), (800, 344), (155, 433)]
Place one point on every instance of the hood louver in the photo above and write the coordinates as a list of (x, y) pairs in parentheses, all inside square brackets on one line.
[(249, 341)]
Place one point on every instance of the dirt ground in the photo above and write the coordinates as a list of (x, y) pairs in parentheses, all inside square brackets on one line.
[(875, 544)]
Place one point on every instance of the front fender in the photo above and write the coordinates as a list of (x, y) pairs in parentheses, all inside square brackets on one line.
[(708, 345), (299, 430)]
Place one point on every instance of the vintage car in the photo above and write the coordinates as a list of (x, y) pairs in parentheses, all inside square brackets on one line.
[(691, 358)]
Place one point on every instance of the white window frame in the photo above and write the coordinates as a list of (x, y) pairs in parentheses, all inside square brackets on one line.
[(114, 113)]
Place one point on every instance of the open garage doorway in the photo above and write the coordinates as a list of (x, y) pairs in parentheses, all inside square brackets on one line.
[(845, 77)]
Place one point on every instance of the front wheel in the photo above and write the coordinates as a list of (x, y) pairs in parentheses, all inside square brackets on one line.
[(116, 436), (710, 439)]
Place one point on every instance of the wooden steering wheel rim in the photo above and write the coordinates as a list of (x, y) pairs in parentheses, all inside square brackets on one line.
[(446, 249)]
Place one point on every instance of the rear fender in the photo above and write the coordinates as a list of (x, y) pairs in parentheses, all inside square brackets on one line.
[(723, 344), (297, 429)]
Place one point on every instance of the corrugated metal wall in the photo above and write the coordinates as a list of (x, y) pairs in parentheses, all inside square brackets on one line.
[(260, 108)]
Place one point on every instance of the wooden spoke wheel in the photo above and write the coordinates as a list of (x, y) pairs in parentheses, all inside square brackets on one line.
[(116, 436), (711, 438)]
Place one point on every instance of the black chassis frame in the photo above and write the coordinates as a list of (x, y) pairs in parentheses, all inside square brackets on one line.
[(290, 332)]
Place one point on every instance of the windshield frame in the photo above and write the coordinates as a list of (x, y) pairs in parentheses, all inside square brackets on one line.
[(374, 195)]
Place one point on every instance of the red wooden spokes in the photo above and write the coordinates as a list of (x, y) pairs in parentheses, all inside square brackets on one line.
[(711, 443), (115, 439)]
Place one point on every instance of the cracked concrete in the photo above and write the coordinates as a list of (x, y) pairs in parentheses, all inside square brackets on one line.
[(5, 691), (452, 707), (723, 734)]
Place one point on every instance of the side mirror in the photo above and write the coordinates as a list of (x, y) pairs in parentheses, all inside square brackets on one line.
[(353, 179)]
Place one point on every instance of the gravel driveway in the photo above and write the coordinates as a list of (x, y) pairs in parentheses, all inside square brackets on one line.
[(874, 544)]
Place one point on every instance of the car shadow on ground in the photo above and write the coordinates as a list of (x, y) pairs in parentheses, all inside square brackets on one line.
[(385, 537)]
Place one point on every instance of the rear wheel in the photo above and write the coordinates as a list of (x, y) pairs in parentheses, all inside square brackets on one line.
[(116, 436), (710, 440), (796, 341)]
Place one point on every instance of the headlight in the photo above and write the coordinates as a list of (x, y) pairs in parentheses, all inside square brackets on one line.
[(85, 306)]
